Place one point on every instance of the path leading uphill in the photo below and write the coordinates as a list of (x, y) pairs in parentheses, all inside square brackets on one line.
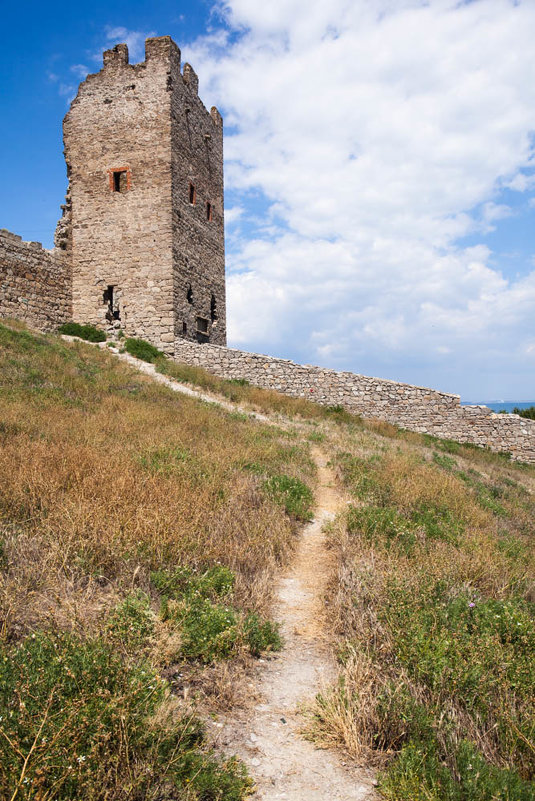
[(284, 765)]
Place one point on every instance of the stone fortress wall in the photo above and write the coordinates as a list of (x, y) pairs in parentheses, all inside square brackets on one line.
[(35, 284), (36, 288), (143, 218), (140, 247), (414, 408)]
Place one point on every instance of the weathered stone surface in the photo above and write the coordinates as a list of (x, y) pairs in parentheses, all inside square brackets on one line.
[(35, 284), (144, 209)]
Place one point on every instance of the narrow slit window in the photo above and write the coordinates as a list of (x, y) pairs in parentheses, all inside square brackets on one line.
[(209, 212), (120, 181), (213, 309), (189, 295), (184, 328), (192, 194)]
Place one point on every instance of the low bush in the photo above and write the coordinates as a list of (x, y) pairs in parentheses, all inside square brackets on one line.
[(199, 607), (292, 493), (382, 527), (528, 413), (420, 774), (76, 722), (87, 332), (164, 460), (141, 349), (131, 623)]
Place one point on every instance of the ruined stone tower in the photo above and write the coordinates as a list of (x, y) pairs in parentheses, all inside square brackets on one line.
[(143, 220)]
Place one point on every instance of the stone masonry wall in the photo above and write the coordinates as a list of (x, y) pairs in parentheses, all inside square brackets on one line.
[(143, 218), (414, 408), (198, 231), (120, 121), (35, 284)]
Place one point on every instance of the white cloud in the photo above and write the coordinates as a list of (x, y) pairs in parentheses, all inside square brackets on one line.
[(233, 214), (80, 70), (379, 133)]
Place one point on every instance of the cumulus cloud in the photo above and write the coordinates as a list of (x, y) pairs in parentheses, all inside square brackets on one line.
[(378, 134)]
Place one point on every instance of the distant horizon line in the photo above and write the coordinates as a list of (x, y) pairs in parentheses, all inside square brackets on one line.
[(494, 400)]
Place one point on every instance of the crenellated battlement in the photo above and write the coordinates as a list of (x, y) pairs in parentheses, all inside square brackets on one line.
[(116, 57)]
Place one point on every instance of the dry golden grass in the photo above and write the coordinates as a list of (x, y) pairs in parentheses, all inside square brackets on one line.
[(432, 526), (251, 397), (105, 476)]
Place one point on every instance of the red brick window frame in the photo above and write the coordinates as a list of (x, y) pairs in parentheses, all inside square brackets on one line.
[(113, 171), (192, 194)]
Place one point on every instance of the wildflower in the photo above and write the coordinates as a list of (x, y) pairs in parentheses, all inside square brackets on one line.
[(80, 759), (471, 605)]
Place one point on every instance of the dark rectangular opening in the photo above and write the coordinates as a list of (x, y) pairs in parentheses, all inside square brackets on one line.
[(184, 328), (202, 325), (112, 312), (209, 212), (192, 194), (120, 182)]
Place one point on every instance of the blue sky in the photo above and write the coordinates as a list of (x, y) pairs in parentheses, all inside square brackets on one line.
[(380, 189)]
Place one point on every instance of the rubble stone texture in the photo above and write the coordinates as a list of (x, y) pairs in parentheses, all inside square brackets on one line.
[(35, 284), (143, 219), (140, 247)]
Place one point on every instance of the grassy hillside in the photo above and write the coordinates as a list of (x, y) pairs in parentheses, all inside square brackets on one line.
[(139, 534), (433, 606)]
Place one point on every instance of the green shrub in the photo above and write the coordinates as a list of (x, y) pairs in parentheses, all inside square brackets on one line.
[(164, 460), (528, 413), (131, 623), (141, 349), (444, 461), (261, 635), (215, 583), (208, 631), (199, 606), (382, 526), (438, 522), (87, 332), (240, 382), (292, 493), (79, 723), (480, 651), (420, 773)]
